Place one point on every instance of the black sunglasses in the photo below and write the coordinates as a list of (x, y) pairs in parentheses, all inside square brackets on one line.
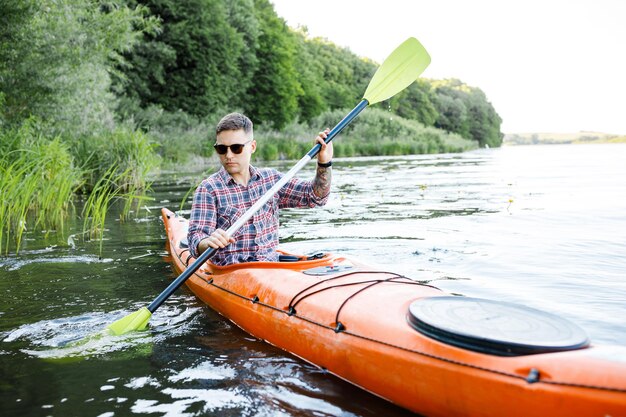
[(236, 148)]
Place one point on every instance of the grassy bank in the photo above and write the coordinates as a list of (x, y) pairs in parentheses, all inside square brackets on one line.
[(37, 181), (375, 132)]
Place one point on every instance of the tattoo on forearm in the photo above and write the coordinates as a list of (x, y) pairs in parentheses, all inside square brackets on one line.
[(321, 182)]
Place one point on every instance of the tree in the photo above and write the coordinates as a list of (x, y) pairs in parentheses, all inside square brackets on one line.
[(452, 115), (197, 62), (242, 17), (466, 111), (311, 103), (276, 88), (55, 59), (343, 76), (417, 102)]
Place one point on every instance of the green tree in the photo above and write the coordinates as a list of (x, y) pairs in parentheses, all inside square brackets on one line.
[(452, 115), (417, 102), (276, 89), (343, 76), (484, 122), (310, 75), (242, 17), (195, 63), (55, 58), (465, 110)]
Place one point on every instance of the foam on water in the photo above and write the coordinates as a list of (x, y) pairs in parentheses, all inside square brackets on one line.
[(86, 335)]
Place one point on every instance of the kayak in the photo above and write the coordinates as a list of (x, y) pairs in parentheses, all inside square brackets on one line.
[(411, 343)]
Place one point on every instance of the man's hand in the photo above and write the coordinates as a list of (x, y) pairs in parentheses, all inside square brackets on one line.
[(326, 153), (217, 239)]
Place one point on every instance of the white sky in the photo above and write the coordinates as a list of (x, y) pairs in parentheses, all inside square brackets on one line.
[(545, 65)]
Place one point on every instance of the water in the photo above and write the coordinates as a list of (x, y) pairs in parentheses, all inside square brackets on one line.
[(542, 226)]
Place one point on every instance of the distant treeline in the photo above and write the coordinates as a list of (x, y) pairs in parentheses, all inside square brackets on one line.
[(113, 89), (561, 138)]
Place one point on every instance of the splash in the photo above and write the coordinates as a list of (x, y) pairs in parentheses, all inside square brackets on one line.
[(85, 335)]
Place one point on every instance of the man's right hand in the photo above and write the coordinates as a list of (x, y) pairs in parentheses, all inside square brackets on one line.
[(218, 239)]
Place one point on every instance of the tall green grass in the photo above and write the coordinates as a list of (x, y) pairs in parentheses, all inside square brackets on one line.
[(39, 178), (37, 181), (116, 166), (130, 153)]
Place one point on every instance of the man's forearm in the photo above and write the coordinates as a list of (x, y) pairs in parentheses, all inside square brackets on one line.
[(321, 182)]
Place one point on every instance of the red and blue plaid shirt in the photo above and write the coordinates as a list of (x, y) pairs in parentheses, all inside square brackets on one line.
[(219, 201)]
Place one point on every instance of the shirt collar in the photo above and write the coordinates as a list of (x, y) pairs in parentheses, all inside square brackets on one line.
[(255, 174)]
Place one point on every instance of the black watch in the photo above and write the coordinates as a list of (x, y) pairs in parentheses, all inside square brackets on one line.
[(326, 165)]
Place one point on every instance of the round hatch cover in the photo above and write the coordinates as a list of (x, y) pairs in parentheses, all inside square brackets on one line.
[(494, 327)]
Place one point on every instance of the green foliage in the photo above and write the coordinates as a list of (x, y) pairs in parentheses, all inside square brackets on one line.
[(106, 190), (216, 54), (195, 63), (376, 132), (179, 135), (276, 88), (466, 111), (312, 101), (130, 152), (417, 102), (342, 76), (115, 166), (54, 57)]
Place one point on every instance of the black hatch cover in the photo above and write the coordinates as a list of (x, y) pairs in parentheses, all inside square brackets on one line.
[(494, 327)]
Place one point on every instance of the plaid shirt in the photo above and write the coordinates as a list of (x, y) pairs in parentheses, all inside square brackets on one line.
[(219, 201)]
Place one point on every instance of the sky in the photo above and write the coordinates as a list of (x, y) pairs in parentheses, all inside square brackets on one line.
[(545, 65)]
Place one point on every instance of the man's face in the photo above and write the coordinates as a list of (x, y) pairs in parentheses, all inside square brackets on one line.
[(232, 162)]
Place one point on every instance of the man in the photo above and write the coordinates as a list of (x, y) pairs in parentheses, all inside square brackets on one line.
[(224, 196)]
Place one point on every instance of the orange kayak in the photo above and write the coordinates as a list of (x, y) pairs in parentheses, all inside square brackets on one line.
[(410, 343)]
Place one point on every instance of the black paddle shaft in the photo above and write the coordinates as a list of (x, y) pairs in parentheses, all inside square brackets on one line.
[(206, 255)]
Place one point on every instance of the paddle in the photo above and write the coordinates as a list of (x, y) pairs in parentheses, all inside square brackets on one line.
[(398, 71)]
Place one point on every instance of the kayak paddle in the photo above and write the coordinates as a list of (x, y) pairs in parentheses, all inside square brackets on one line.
[(396, 73)]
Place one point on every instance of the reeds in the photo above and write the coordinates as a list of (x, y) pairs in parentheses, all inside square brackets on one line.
[(39, 178), (112, 186), (37, 182)]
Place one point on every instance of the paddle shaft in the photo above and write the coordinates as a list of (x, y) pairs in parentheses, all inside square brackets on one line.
[(207, 254)]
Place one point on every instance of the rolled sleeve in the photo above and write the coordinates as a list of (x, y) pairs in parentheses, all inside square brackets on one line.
[(299, 193)]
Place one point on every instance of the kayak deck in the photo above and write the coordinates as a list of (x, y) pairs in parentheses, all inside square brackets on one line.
[(353, 320)]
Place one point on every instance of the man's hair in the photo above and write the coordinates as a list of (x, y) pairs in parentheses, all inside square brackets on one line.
[(234, 121)]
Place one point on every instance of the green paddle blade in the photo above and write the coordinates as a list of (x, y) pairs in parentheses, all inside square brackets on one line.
[(398, 71), (135, 321)]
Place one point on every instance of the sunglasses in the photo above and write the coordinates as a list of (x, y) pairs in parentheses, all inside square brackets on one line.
[(235, 148)]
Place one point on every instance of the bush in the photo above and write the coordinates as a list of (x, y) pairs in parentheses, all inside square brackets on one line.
[(178, 134)]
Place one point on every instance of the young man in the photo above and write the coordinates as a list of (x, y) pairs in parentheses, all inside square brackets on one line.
[(226, 195)]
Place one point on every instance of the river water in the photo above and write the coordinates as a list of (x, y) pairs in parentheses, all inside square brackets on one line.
[(543, 226)]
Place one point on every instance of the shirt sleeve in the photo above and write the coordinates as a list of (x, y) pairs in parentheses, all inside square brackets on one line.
[(203, 218), (299, 193)]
